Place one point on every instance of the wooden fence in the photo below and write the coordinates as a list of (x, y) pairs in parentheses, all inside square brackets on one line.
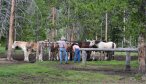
[(141, 54), (115, 49), (127, 50)]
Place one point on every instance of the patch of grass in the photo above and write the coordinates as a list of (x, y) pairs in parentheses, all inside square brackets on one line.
[(17, 51), (2, 50), (48, 72), (124, 53), (138, 76), (113, 63), (44, 72)]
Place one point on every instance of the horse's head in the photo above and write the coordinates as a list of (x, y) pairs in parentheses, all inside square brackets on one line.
[(56, 45), (31, 46), (92, 43), (69, 47), (15, 44)]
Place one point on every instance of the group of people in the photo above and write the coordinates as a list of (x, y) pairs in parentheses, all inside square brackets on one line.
[(62, 51)]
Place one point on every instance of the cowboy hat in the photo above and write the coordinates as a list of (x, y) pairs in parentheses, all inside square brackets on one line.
[(62, 38)]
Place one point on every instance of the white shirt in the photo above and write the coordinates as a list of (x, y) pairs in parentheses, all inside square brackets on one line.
[(75, 47), (62, 44)]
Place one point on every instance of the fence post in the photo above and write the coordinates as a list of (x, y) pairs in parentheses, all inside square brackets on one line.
[(37, 51), (128, 59), (49, 50), (84, 57), (41, 51)]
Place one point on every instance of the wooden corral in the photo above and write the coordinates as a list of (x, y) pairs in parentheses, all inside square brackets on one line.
[(141, 53)]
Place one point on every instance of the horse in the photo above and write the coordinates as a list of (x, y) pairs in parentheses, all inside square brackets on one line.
[(54, 51), (69, 50), (101, 45), (28, 48), (82, 44), (85, 44)]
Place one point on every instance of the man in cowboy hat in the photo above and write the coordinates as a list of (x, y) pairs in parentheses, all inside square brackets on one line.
[(76, 50), (62, 49)]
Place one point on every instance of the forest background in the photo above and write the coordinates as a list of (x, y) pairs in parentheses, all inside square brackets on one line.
[(121, 21)]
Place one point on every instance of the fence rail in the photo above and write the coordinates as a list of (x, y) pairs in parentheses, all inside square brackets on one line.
[(116, 49)]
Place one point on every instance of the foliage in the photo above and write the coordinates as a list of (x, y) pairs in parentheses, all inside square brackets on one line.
[(33, 19)]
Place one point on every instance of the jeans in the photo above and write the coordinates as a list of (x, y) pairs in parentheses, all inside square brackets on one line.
[(62, 51), (77, 55)]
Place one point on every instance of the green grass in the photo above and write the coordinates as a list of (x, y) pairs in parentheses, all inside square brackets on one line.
[(48, 72), (124, 53), (2, 49), (113, 63)]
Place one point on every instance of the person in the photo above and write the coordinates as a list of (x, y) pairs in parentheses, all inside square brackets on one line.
[(76, 50), (62, 50)]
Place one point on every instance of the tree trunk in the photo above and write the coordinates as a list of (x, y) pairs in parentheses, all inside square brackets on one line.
[(7, 40), (142, 37), (124, 21), (0, 9), (141, 54), (53, 23), (101, 32), (106, 26), (0, 14), (11, 31), (53, 15), (37, 30)]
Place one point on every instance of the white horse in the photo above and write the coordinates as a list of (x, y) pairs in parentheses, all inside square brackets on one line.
[(101, 45), (27, 48)]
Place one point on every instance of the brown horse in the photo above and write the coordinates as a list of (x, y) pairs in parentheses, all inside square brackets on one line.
[(54, 51), (70, 50), (55, 46), (82, 44)]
